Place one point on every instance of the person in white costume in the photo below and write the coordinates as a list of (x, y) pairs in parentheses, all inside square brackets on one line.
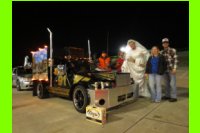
[(136, 56)]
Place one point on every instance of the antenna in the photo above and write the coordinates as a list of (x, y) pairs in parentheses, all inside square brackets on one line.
[(89, 50)]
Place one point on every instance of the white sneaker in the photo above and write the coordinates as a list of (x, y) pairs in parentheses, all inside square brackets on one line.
[(156, 101)]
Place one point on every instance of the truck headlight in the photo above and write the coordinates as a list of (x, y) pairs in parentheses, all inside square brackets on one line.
[(102, 85), (107, 84)]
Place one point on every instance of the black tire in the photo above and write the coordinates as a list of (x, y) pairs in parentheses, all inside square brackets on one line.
[(80, 99), (34, 89), (18, 85), (42, 92)]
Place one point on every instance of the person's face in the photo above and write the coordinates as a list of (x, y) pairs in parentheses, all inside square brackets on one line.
[(154, 51), (69, 57), (165, 45), (120, 54), (103, 55), (132, 45)]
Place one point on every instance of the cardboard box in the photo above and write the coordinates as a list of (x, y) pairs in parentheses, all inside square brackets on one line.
[(96, 114)]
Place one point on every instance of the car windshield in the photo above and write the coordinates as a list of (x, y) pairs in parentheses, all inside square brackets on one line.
[(22, 71)]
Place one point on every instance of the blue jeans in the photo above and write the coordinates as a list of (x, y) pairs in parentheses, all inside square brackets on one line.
[(155, 87), (170, 84)]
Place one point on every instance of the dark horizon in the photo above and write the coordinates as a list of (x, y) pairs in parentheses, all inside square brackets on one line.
[(73, 23)]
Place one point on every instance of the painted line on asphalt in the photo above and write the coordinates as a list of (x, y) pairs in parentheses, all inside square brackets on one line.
[(142, 118), (172, 123)]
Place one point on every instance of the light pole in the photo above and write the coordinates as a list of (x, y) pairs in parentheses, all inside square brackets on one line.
[(51, 55)]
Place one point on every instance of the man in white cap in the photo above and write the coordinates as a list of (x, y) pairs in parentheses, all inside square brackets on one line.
[(170, 74)]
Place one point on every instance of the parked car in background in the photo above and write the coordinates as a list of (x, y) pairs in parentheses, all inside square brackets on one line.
[(22, 78)]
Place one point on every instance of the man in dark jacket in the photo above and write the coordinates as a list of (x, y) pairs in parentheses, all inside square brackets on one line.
[(156, 66)]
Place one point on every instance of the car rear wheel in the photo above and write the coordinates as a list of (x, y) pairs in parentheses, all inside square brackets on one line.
[(80, 99)]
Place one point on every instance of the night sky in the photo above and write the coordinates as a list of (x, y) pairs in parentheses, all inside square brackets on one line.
[(73, 23)]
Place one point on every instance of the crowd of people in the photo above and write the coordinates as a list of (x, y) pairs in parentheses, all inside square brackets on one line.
[(154, 67)]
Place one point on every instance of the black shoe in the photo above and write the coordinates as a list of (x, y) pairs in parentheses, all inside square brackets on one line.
[(172, 100), (165, 98)]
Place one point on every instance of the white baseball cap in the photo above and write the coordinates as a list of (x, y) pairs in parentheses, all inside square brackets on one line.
[(165, 40)]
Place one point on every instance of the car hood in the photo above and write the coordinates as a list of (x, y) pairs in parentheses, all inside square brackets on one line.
[(26, 76)]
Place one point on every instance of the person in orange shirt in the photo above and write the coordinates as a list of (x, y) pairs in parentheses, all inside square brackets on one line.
[(104, 62)]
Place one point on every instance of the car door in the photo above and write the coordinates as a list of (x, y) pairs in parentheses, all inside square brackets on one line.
[(14, 76)]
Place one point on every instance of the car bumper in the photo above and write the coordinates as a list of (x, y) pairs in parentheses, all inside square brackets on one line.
[(109, 98), (26, 85)]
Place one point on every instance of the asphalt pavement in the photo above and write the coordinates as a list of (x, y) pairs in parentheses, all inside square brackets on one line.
[(57, 115)]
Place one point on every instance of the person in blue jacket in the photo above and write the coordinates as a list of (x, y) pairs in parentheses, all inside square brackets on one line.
[(155, 68)]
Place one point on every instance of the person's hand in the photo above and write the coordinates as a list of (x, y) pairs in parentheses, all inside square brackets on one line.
[(142, 54), (91, 61), (173, 71), (146, 75), (131, 60), (142, 65), (117, 64)]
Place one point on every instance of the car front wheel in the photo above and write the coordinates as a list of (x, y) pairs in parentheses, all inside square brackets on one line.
[(80, 99), (18, 86)]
